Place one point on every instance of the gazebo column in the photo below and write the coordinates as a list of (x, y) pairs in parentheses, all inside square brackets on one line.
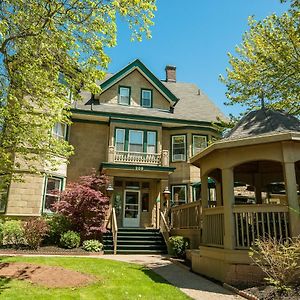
[(292, 196), (219, 193), (204, 191), (257, 184), (228, 201)]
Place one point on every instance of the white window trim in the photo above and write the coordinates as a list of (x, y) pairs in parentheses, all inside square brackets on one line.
[(173, 193), (130, 130), (57, 136), (155, 141), (61, 186), (174, 136), (193, 144)]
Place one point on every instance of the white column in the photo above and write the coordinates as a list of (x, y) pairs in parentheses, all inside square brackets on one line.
[(228, 201), (292, 196)]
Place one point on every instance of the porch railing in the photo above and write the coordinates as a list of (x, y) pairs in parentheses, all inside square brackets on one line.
[(259, 221), (213, 226), (186, 216)]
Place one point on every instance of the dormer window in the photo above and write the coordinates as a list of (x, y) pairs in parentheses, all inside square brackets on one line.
[(124, 95), (146, 98)]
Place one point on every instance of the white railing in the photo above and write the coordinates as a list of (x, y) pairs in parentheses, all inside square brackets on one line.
[(259, 221), (186, 216), (213, 226), (137, 158), (164, 228), (111, 224)]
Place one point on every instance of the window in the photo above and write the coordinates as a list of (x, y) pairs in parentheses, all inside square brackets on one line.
[(120, 139), (124, 95), (199, 143), (151, 142), (196, 193), (136, 141), (53, 186), (3, 194), (59, 131), (178, 148), (179, 195), (146, 98)]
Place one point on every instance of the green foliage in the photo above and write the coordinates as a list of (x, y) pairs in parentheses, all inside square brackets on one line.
[(13, 233), (178, 245), (58, 224), (48, 48), (70, 240), (279, 260), (267, 64), (92, 245), (35, 230)]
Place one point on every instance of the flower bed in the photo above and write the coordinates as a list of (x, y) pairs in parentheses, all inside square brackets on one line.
[(48, 250)]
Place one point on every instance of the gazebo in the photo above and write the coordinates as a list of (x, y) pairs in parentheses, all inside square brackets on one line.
[(263, 152)]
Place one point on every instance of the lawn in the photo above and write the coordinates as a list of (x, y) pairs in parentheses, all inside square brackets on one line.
[(116, 280)]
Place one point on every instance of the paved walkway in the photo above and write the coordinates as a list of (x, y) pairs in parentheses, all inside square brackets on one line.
[(195, 286)]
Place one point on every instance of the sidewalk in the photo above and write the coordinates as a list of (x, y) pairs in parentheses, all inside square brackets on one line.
[(195, 286)]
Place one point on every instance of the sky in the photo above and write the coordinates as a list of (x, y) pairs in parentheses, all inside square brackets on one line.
[(195, 36)]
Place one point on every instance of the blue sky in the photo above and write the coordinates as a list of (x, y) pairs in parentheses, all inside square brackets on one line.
[(195, 36)]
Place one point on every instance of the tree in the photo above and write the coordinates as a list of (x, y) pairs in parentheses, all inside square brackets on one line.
[(48, 48), (85, 205), (267, 64)]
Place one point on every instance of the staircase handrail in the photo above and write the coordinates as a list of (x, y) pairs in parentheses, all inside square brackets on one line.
[(164, 228), (114, 229)]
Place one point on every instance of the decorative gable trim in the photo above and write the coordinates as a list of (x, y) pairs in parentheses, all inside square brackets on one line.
[(138, 65)]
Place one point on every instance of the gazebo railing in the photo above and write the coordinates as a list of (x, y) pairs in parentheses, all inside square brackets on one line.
[(259, 221), (186, 216), (213, 226)]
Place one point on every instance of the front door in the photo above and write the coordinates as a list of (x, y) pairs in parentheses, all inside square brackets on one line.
[(131, 215)]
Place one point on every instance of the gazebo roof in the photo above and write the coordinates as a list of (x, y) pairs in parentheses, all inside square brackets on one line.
[(264, 121)]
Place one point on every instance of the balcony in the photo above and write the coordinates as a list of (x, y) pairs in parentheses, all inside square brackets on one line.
[(138, 158)]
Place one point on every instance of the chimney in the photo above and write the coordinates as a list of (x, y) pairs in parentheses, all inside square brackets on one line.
[(170, 73)]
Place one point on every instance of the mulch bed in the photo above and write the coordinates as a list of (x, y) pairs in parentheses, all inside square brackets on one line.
[(48, 250), (48, 276), (269, 292)]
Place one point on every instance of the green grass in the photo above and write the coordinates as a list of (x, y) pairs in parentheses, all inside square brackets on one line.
[(117, 280)]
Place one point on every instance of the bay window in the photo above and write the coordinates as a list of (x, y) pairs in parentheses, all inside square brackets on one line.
[(178, 148), (199, 143), (53, 185)]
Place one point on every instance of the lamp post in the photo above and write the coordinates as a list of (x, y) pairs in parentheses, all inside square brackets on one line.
[(166, 194), (109, 190)]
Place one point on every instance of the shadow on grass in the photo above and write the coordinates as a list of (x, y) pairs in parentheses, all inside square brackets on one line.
[(153, 276)]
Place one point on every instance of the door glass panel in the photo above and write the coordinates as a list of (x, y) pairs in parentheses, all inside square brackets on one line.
[(131, 205)]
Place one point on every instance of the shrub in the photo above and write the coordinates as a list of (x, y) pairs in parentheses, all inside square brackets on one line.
[(92, 245), (70, 240), (85, 205), (279, 260), (13, 233), (35, 230), (58, 224), (178, 245)]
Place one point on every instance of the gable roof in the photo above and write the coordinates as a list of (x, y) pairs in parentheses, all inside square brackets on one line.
[(137, 64), (264, 121)]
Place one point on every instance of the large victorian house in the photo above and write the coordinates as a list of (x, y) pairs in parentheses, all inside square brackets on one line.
[(141, 132)]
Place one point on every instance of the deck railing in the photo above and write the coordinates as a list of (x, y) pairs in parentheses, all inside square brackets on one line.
[(186, 216), (213, 226), (259, 221)]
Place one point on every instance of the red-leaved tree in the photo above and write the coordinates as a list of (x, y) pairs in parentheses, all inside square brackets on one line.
[(85, 204)]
